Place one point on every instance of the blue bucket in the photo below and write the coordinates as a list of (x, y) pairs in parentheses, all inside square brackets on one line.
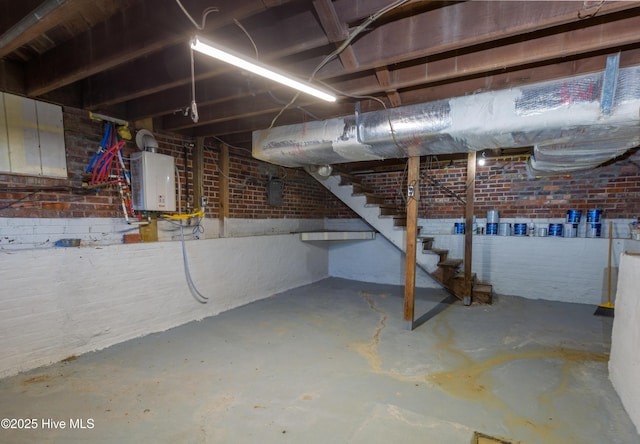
[(593, 216), (594, 230), (492, 229), (573, 216), (458, 228), (519, 229), (555, 230)]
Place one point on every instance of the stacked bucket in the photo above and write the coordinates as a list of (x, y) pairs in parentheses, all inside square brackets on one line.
[(594, 227), (567, 229), (570, 227), (493, 218)]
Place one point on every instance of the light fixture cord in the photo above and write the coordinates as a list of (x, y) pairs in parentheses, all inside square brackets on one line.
[(243, 29), (341, 48), (194, 105), (205, 13)]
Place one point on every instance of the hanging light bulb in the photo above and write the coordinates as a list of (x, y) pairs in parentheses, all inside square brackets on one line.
[(325, 170), (482, 160)]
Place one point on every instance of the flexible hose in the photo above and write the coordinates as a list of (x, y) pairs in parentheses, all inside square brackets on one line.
[(192, 286), (185, 261)]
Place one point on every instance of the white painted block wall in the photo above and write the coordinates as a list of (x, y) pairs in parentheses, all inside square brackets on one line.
[(557, 269), (26, 233), (561, 269), (375, 260), (624, 363), (58, 302)]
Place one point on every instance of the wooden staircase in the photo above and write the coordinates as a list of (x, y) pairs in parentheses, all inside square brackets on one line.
[(449, 275), (448, 271)]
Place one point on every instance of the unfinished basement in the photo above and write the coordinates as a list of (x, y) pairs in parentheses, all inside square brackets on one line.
[(311, 221)]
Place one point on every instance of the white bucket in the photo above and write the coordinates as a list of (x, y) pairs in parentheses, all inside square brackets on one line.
[(493, 216), (504, 229), (570, 230)]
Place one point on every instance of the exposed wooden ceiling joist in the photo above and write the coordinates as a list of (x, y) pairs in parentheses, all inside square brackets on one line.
[(131, 57)]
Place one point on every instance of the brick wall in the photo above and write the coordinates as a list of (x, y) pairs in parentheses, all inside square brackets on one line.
[(302, 196), (504, 184)]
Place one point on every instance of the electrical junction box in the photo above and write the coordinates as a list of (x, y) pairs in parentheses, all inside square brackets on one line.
[(274, 192), (153, 182)]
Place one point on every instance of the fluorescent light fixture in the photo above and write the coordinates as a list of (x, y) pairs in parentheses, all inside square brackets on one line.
[(211, 49)]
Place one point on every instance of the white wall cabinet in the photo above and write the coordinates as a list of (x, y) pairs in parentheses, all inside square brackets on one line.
[(31, 137)]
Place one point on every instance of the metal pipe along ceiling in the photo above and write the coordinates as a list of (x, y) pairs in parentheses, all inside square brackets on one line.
[(572, 124), (16, 32)]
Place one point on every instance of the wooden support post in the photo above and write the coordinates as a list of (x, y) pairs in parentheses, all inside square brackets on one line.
[(468, 223), (413, 196), (223, 165), (198, 173)]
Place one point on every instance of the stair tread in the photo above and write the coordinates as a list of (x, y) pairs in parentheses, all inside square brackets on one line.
[(447, 272), (351, 177), (485, 288), (450, 263), (367, 193), (360, 187)]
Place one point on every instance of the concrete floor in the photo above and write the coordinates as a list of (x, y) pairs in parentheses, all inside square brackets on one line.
[(333, 362)]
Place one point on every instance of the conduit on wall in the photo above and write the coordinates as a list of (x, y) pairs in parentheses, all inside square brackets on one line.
[(572, 124)]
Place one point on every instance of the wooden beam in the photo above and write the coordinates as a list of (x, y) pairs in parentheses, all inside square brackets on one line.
[(468, 234), (36, 23), (384, 80), (456, 88), (198, 173), (459, 86), (534, 51), (336, 30), (223, 180), (413, 196), (438, 68), (279, 39), (475, 25), (131, 33)]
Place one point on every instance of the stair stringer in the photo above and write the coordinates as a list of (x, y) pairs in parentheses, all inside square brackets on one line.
[(370, 213)]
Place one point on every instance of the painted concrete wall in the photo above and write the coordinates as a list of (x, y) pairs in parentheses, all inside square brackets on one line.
[(559, 269), (375, 260), (28, 232), (624, 364), (562, 269), (372, 261), (58, 302)]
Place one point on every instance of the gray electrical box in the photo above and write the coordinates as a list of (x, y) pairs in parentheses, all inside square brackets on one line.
[(274, 192), (153, 182)]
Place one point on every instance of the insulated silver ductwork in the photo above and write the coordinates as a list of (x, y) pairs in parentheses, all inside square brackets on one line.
[(572, 124)]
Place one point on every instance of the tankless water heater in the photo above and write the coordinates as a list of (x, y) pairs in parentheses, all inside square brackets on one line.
[(153, 183)]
